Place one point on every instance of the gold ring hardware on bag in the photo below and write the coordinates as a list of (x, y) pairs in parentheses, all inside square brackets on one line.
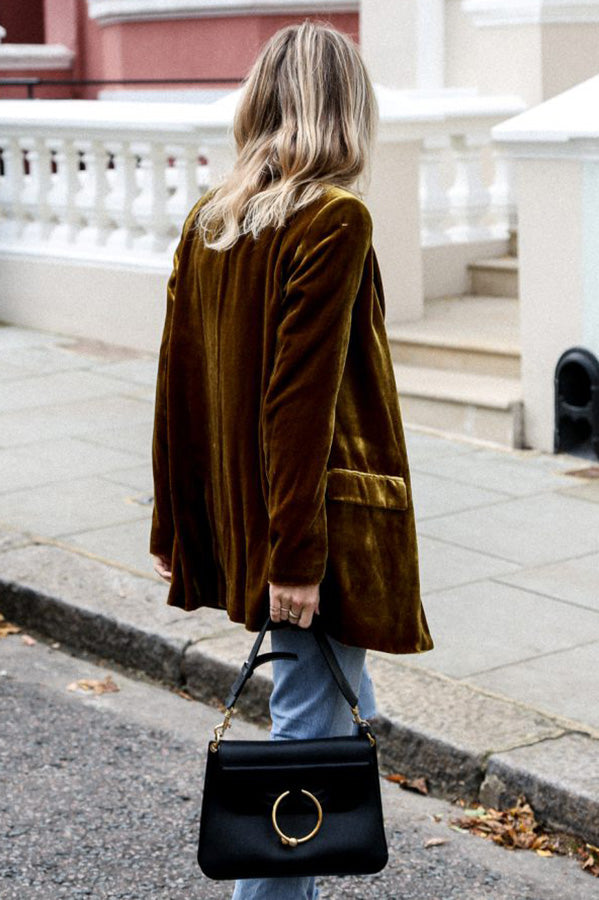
[(293, 841)]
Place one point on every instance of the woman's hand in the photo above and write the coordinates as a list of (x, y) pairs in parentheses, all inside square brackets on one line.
[(162, 565), (296, 603)]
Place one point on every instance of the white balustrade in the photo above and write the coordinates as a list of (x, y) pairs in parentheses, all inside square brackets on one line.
[(465, 188), (107, 181), (114, 180)]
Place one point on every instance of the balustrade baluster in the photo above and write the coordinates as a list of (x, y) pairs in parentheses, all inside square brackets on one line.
[(36, 191), (434, 200), (62, 196), (149, 207), (503, 201), (92, 198), (11, 225), (469, 197)]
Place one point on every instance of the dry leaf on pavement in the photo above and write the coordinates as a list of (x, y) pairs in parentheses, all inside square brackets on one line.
[(589, 857), (517, 829), (514, 828), (435, 842), (7, 628), (106, 686), (409, 784)]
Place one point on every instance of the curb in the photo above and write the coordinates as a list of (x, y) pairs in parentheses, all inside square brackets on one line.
[(465, 742)]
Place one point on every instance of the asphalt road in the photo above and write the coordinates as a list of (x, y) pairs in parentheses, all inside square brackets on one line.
[(100, 797)]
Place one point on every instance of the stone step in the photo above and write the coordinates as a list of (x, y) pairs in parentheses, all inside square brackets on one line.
[(468, 334), (483, 408), (495, 277)]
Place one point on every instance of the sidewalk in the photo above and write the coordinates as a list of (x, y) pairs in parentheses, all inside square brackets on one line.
[(509, 543)]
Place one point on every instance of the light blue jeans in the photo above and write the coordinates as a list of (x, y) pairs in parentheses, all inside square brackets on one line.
[(306, 703)]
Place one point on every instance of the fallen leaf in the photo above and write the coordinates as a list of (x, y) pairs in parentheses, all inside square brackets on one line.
[(106, 686), (7, 628), (28, 640), (409, 784), (396, 778), (181, 692), (435, 842)]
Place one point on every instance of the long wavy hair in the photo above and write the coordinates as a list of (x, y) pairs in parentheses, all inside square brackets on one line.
[(306, 118)]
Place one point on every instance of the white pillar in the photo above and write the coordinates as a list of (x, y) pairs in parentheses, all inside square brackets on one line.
[(393, 201), (556, 146), (403, 42)]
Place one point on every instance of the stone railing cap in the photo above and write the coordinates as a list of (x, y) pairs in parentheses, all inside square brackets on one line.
[(570, 116)]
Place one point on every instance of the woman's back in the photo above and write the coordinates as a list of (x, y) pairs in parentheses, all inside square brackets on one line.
[(277, 371)]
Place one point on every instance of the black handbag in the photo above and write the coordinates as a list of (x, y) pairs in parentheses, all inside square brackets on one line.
[(294, 807)]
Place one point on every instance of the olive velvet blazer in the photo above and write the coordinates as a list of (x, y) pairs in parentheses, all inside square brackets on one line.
[(278, 447)]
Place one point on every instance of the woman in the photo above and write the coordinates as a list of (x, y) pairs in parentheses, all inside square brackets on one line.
[(280, 470)]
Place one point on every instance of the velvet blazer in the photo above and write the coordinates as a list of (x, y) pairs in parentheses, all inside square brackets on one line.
[(278, 448)]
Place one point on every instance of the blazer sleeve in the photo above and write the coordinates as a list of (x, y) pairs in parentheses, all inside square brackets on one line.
[(298, 413), (163, 529)]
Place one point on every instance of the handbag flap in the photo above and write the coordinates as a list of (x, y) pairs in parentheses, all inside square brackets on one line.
[(339, 771)]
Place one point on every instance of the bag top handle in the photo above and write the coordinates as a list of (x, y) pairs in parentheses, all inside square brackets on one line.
[(255, 659)]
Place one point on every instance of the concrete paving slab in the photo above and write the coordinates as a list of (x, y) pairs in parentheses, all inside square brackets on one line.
[(125, 544), (55, 387), (76, 418), (584, 490), (10, 539), (69, 506), (61, 459), (574, 581), (43, 359), (89, 605), (530, 530), (558, 776), (545, 682), (8, 372), (136, 391), (14, 336), (446, 730), (135, 478), (422, 445), (135, 371), (488, 624), (494, 472), (134, 438), (434, 496), (444, 565)]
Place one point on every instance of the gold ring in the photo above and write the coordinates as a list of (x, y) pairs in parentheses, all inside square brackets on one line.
[(293, 841), (293, 615)]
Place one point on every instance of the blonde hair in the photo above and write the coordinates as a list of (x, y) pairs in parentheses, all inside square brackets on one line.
[(307, 117)]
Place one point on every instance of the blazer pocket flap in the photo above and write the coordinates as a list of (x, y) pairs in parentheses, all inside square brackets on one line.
[(367, 488)]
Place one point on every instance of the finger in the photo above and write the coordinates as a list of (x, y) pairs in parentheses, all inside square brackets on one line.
[(305, 619), (295, 614)]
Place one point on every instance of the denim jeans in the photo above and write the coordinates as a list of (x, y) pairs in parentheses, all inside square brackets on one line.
[(306, 703)]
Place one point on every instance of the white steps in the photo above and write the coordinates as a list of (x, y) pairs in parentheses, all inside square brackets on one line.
[(471, 334), (481, 407), (495, 277), (458, 368)]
